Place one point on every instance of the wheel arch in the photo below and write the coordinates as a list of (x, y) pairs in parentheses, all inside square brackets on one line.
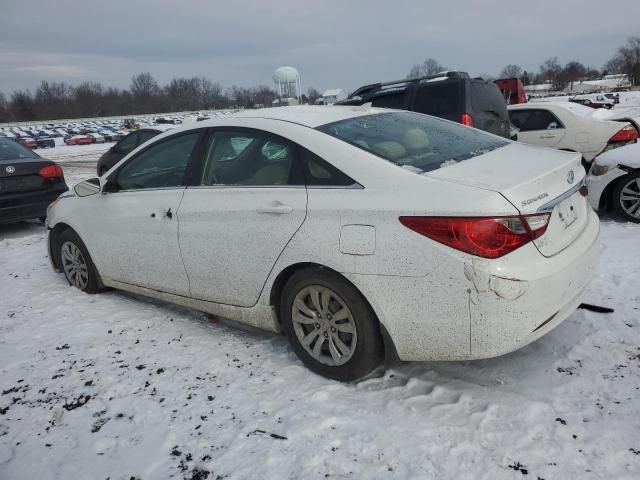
[(57, 230), (390, 352)]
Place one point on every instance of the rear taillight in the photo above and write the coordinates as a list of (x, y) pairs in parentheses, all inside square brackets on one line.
[(467, 120), (51, 171), (626, 134), (487, 237)]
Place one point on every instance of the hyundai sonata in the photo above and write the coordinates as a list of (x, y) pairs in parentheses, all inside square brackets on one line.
[(357, 232)]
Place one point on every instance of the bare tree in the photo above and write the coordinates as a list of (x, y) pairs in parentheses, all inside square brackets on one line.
[(144, 85), (627, 60), (551, 71), (313, 95), (428, 68), (511, 71)]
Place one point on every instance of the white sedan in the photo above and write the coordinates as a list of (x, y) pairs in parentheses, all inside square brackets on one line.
[(569, 126), (358, 232), (614, 182)]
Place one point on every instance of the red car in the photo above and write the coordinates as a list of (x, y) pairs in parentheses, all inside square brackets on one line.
[(27, 142), (512, 89), (79, 140)]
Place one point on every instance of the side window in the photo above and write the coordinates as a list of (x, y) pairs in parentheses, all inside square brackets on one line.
[(320, 173), (159, 166), (249, 158), (128, 143), (531, 120)]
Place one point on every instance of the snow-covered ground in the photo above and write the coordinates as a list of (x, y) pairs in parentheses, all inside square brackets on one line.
[(118, 386)]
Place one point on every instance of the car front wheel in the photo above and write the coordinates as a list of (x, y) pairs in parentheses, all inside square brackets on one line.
[(330, 326), (627, 197), (75, 262)]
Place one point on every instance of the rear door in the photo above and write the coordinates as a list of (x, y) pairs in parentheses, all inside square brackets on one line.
[(538, 126), (247, 204)]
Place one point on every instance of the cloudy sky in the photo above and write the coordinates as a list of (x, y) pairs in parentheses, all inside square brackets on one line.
[(332, 43)]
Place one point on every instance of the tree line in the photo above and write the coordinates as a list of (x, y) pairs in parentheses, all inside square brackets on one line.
[(626, 61), (56, 100)]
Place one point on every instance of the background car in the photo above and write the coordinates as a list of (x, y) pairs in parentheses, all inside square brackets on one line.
[(28, 183), (78, 140), (614, 182), (295, 223), (567, 126), (593, 100), (451, 95), (96, 137), (45, 141), (126, 145), (27, 141)]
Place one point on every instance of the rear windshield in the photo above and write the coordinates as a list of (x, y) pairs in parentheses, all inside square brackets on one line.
[(11, 150), (417, 142), (440, 98)]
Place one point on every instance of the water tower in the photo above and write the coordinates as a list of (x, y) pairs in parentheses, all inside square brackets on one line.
[(287, 82)]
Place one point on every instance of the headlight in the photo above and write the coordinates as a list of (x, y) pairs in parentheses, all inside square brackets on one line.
[(598, 170)]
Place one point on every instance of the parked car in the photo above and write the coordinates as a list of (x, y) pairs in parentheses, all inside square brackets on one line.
[(126, 145), (567, 126), (96, 137), (593, 100), (295, 223), (45, 141), (614, 182), (78, 140), (108, 135), (451, 95), (28, 183), (27, 141)]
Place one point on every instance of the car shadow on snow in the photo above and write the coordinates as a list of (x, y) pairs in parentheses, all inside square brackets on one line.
[(20, 229)]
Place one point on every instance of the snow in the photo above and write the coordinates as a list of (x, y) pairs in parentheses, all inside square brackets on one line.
[(116, 385), (628, 155)]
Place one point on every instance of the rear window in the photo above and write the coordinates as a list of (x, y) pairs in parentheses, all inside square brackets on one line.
[(419, 143), (11, 150), (440, 98), (487, 97)]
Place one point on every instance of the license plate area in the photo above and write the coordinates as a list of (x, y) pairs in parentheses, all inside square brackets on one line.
[(568, 212)]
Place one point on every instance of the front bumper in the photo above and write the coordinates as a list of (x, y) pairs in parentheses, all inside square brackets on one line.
[(597, 184)]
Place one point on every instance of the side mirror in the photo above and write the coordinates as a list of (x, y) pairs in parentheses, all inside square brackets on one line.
[(88, 187)]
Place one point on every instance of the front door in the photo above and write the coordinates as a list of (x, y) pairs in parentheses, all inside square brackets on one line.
[(250, 201), (132, 232)]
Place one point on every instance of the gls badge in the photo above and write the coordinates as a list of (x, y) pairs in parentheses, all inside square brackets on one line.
[(10, 169), (570, 177)]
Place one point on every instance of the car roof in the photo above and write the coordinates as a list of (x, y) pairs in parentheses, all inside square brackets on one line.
[(307, 115)]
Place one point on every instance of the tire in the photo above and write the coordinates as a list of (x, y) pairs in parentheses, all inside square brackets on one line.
[(75, 262), (331, 351), (626, 197)]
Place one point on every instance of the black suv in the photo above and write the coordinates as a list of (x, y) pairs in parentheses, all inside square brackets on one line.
[(451, 95)]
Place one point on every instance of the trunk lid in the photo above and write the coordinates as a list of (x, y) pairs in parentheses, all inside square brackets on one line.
[(21, 175), (534, 180)]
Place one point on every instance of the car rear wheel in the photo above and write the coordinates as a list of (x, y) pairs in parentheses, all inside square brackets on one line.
[(330, 326), (75, 262), (626, 197)]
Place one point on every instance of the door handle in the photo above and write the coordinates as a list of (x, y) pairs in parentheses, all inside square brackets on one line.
[(548, 136), (277, 208)]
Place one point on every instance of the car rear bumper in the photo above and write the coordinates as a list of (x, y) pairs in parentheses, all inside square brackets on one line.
[(470, 308), (25, 206)]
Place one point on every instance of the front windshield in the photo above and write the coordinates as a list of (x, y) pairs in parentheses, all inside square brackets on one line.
[(12, 150), (417, 142)]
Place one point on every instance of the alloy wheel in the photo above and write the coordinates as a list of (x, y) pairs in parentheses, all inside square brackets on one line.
[(630, 198), (74, 265), (324, 325)]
